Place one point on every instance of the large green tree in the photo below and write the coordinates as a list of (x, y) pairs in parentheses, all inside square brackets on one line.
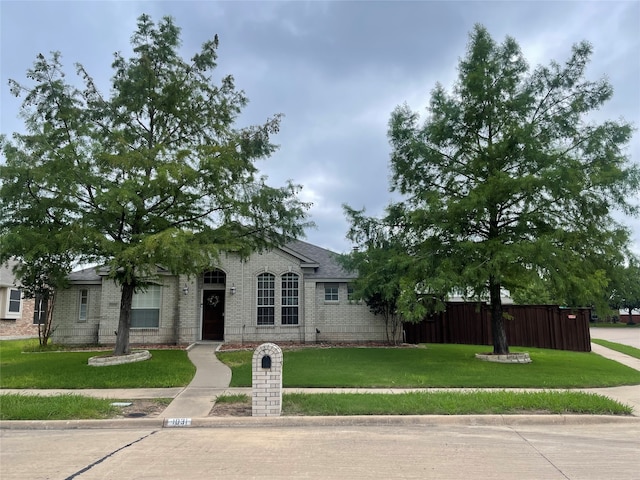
[(153, 174), (624, 290), (509, 179)]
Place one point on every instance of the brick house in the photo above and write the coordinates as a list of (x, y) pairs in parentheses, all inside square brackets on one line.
[(296, 293), (16, 313)]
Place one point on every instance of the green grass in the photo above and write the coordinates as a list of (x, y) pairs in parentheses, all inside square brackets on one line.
[(436, 366), (62, 407), (618, 347), (166, 368), (444, 403), (235, 398)]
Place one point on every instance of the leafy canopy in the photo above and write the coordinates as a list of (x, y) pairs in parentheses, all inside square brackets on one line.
[(155, 173), (510, 180)]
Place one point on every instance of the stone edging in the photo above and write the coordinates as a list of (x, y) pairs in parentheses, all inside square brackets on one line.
[(508, 358), (105, 360)]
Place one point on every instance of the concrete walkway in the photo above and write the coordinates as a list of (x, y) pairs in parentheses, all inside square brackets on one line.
[(212, 379)]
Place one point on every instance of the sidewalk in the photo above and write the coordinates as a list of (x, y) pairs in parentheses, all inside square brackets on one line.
[(212, 379)]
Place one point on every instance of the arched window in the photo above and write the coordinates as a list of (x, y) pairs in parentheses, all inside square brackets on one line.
[(215, 277), (266, 299), (290, 299)]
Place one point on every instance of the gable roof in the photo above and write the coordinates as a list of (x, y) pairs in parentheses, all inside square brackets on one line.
[(7, 279), (327, 267), (322, 262)]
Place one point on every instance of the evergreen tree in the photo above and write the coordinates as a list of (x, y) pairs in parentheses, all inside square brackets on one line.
[(509, 179)]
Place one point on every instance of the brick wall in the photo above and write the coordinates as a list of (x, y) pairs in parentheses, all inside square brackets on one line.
[(67, 326), (22, 326), (181, 314), (345, 320)]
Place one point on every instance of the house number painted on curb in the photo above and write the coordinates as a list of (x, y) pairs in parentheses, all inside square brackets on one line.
[(178, 422)]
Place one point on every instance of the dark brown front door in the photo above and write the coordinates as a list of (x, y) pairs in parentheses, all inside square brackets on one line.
[(213, 315)]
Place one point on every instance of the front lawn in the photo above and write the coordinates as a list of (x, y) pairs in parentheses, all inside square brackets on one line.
[(166, 368), (436, 365)]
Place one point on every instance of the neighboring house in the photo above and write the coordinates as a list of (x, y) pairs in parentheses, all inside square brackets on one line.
[(624, 315), (16, 313), (296, 293)]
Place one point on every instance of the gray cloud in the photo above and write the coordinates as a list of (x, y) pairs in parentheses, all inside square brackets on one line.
[(335, 69)]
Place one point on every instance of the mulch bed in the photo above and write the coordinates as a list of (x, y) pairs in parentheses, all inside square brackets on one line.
[(298, 345)]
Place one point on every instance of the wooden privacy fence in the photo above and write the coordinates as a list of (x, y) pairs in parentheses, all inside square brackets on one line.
[(543, 326)]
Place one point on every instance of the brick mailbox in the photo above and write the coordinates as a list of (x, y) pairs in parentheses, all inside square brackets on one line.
[(267, 381)]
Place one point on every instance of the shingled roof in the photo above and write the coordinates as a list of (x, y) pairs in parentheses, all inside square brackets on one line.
[(323, 262), (86, 275), (327, 264)]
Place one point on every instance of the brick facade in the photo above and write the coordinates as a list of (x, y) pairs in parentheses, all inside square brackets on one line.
[(22, 326), (181, 311)]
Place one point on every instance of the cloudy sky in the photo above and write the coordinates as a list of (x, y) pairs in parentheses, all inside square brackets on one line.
[(335, 69)]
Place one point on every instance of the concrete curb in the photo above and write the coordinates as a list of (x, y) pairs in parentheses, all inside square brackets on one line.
[(323, 421)]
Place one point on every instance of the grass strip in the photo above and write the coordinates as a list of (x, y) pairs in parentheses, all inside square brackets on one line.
[(59, 407), (618, 347), (444, 403), (436, 365)]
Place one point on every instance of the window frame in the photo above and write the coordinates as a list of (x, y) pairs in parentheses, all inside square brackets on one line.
[(39, 309), (12, 301), (266, 299), (332, 290), (149, 307), (83, 301), (214, 277), (290, 299)]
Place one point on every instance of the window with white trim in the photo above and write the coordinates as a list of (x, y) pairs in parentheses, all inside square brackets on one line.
[(83, 305), (331, 292), (145, 308), (290, 299), (14, 300), (266, 297)]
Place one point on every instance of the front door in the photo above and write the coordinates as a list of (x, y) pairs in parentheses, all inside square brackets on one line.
[(213, 315)]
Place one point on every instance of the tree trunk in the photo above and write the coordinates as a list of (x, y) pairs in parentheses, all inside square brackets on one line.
[(124, 324), (49, 304), (500, 346), (43, 310), (630, 321)]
